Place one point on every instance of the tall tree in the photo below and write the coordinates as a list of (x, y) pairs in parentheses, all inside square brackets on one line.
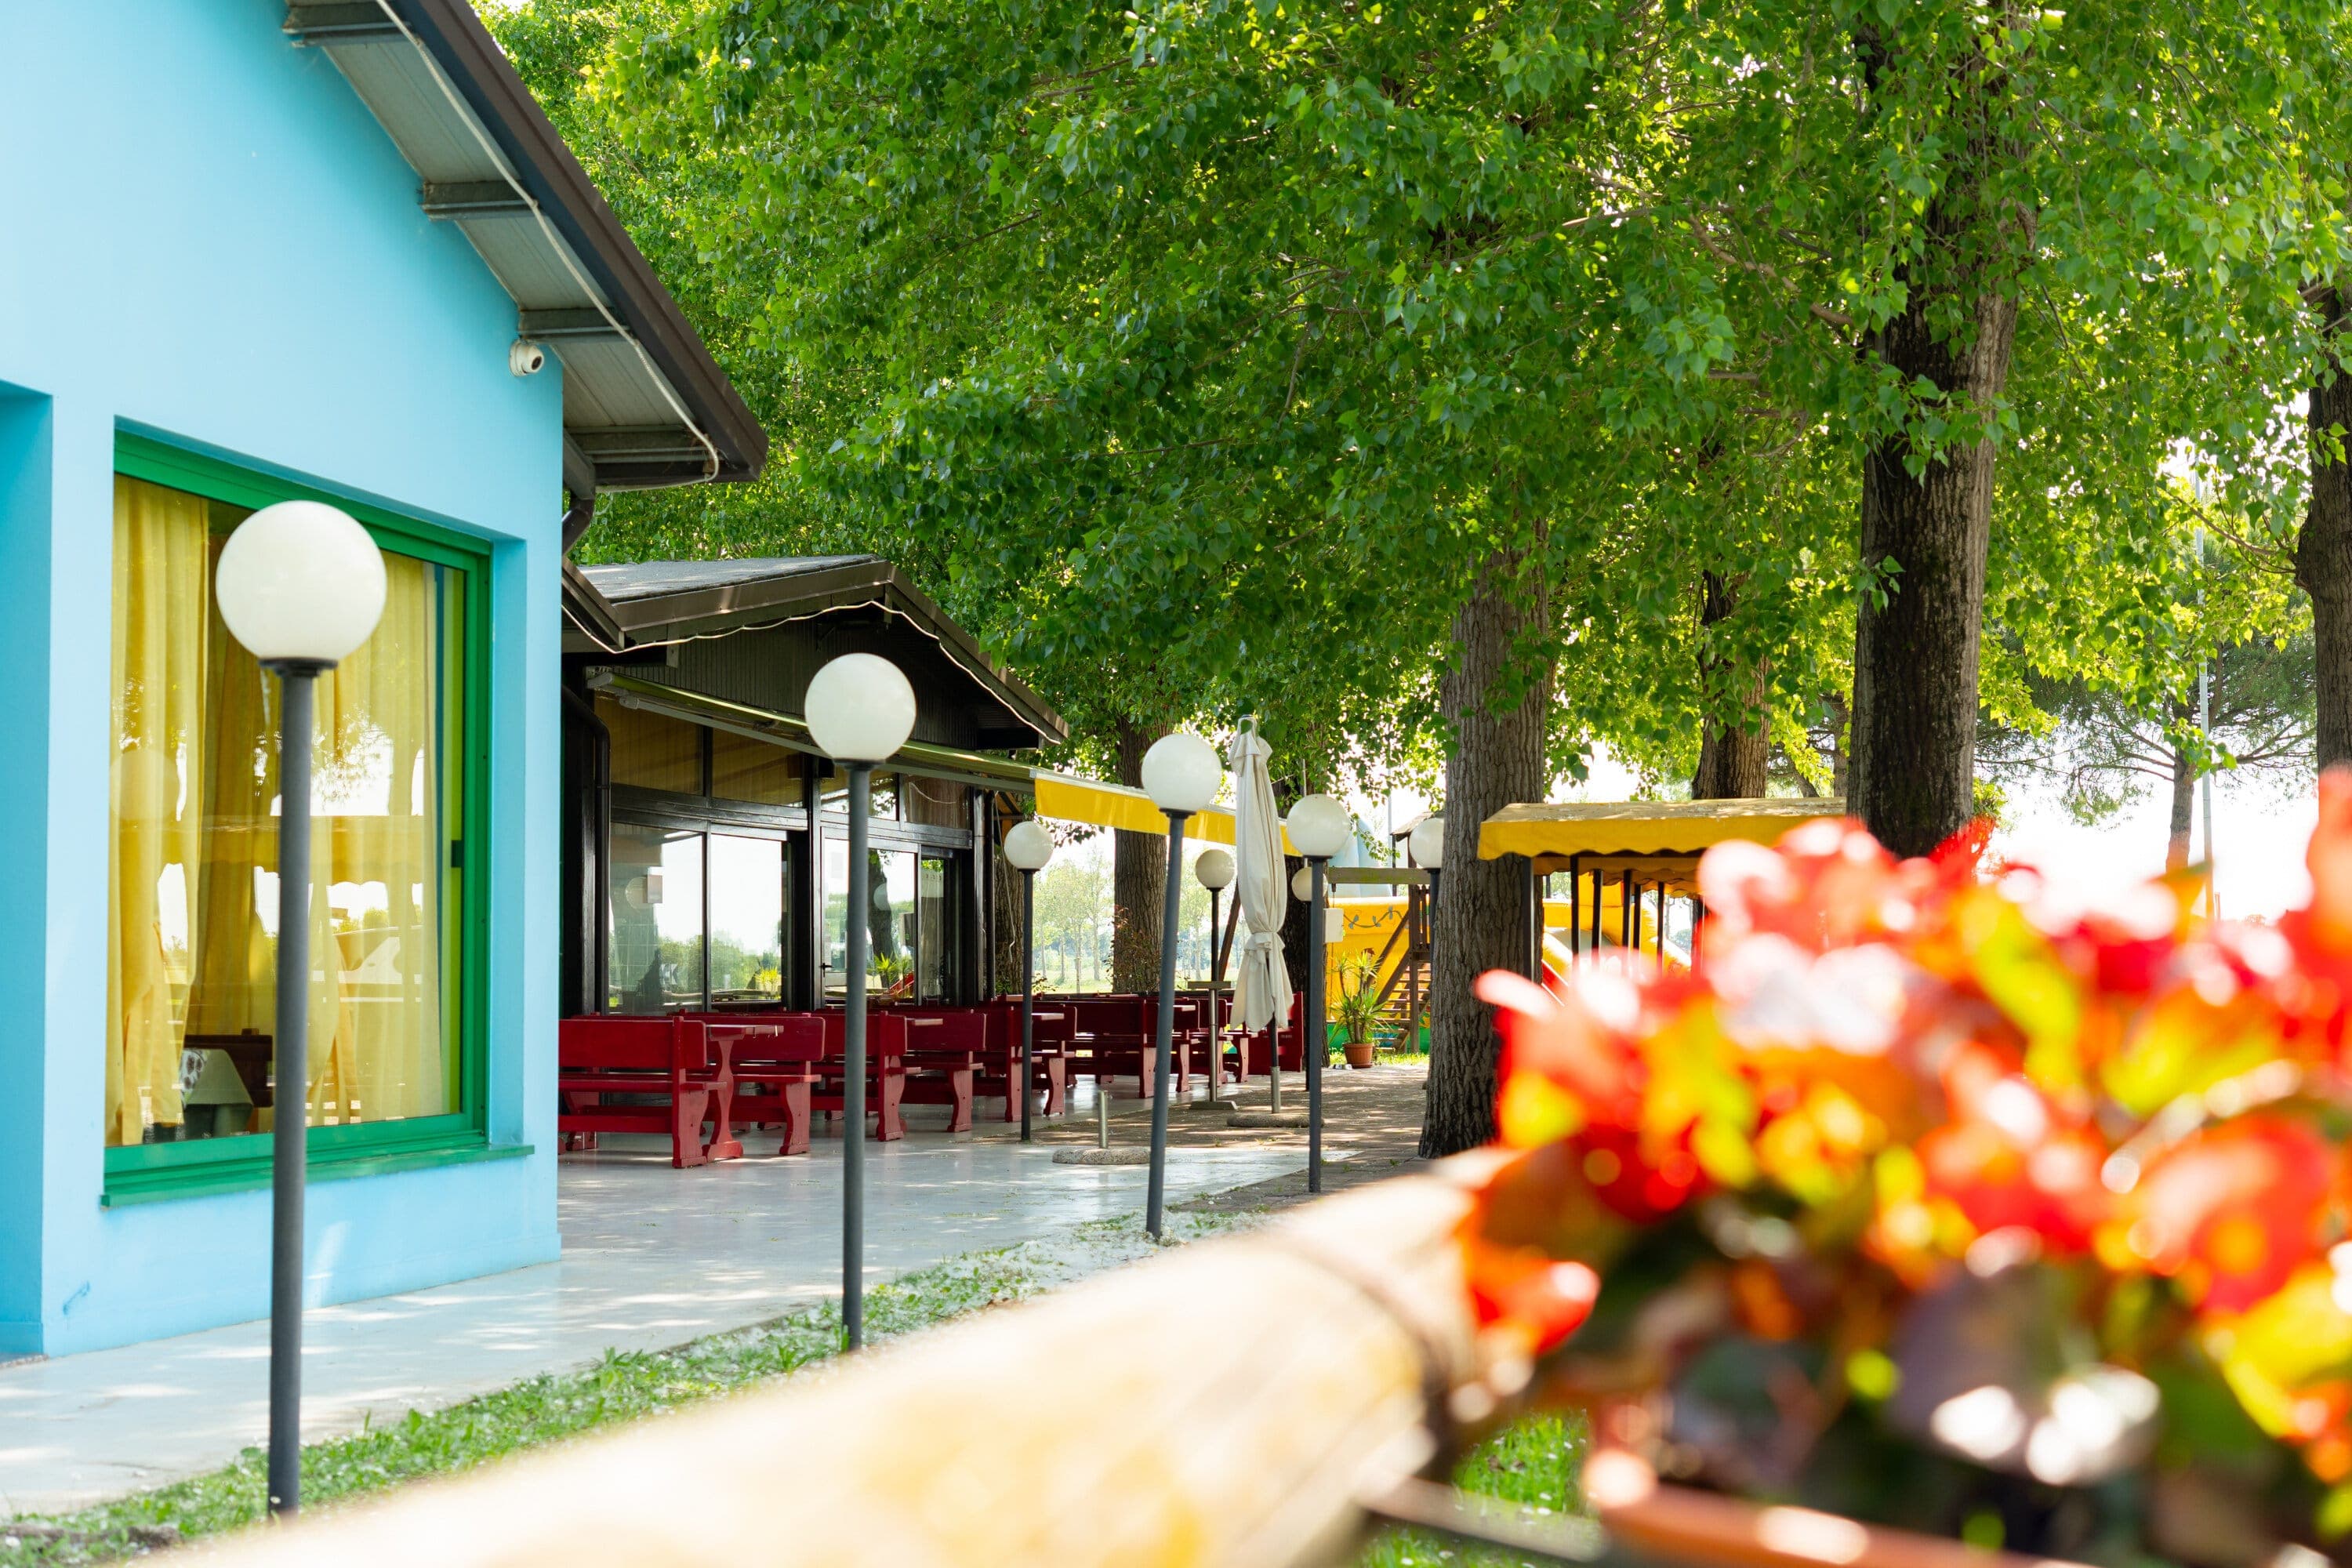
[(2323, 551)]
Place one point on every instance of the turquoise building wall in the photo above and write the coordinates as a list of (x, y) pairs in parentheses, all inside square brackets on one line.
[(206, 238)]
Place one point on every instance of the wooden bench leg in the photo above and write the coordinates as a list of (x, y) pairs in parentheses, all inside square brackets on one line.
[(688, 1110), (1057, 1086), (724, 1145), (888, 1127), (795, 1099), (960, 1099)]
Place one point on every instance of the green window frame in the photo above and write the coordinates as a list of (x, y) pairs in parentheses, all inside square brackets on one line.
[(160, 1172)]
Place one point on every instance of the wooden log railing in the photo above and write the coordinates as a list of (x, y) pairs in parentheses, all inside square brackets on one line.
[(1225, 1403), (1254, 1402)]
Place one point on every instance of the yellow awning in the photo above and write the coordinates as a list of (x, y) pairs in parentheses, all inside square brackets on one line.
[(1550, 833), (1065, 797)]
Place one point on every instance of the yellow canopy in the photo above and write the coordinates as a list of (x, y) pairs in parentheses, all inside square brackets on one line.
[(1550, 833), (1065, 797)]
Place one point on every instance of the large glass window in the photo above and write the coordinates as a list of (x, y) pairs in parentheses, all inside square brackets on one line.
[(192, 876), (747, 919), (654, 962)]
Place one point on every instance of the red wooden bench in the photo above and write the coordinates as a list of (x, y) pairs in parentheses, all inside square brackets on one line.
[(885, 1070), (675, 1078), (997, 1051), (944, 1046), (1050, 1026), (1114, 1037), (773, 1059), (1251, 1051)]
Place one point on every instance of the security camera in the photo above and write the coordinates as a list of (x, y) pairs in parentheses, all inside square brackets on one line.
[(525, 357)]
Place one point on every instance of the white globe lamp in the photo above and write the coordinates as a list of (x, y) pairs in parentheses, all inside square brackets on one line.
[(1426, 843), (1319, 826), (859, 708), (1181, 774), (1028, 847), (1215, 869), (300, 581), (301, 584), (860, 711)]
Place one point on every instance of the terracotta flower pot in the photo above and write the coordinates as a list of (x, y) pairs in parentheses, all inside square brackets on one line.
[(1359, 1053)]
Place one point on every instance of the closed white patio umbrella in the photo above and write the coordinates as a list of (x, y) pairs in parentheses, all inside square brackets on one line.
[(1263, 987)]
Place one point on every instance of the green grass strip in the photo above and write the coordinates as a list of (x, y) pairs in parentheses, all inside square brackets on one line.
[(623, 1387), (1534, 1462)]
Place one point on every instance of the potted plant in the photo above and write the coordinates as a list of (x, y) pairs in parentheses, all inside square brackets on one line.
[(1938, 1197), (1357, 1006)]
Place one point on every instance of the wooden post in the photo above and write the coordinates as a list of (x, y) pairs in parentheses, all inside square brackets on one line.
[(1024, 1436)]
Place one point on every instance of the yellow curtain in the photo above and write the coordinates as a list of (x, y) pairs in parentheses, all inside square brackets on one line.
[(160, 740), (234, 988), (378, 853)]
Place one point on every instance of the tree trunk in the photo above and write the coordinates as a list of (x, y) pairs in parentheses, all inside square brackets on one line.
[(1913, 779), (2184, 794), (1736, 742), (1482, 918), (1912, 775), (1139, 881), (1004, 920), (2323, 551)]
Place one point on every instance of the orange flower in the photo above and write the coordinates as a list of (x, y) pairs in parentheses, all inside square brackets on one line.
[(2231, 1211)]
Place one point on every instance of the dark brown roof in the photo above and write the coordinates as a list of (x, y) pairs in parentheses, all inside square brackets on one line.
[(644, 402)]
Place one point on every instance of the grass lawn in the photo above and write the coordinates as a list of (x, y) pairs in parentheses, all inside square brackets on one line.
[(550, 1408), (1533, 1462)]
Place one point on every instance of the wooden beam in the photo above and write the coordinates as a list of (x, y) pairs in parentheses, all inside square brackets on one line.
[(343, 22), (472, 198), (584, 321), (1070, 1432)]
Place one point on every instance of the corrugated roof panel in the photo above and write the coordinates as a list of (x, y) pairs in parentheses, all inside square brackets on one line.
[(396, 82), (620, 390), (518, 252)]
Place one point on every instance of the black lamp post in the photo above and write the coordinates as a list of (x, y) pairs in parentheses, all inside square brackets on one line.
[(1181, 774), (1319, 826), (860, 711), (1027, 847), (1216, 870), (301, 585)]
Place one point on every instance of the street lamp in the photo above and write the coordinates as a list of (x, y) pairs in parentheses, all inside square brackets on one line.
[(301, 585), (1027, 847), (1319, 828), (1426, 846), (1181, 774), (1215, 869), (860, 711)]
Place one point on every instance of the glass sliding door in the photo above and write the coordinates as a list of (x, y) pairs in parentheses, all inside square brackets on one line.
[(655, 940), (748, 922), (890, 922), (936, 952)]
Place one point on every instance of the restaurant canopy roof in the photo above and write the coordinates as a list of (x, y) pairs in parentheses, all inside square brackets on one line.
[(1552, 833), (644, 402), (722, 628)]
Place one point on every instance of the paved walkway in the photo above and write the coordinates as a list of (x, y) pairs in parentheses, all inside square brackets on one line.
[(652, 1257)]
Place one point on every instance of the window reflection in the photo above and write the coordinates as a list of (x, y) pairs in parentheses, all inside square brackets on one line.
[(747, 919), (655, 954), (890, 921)]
